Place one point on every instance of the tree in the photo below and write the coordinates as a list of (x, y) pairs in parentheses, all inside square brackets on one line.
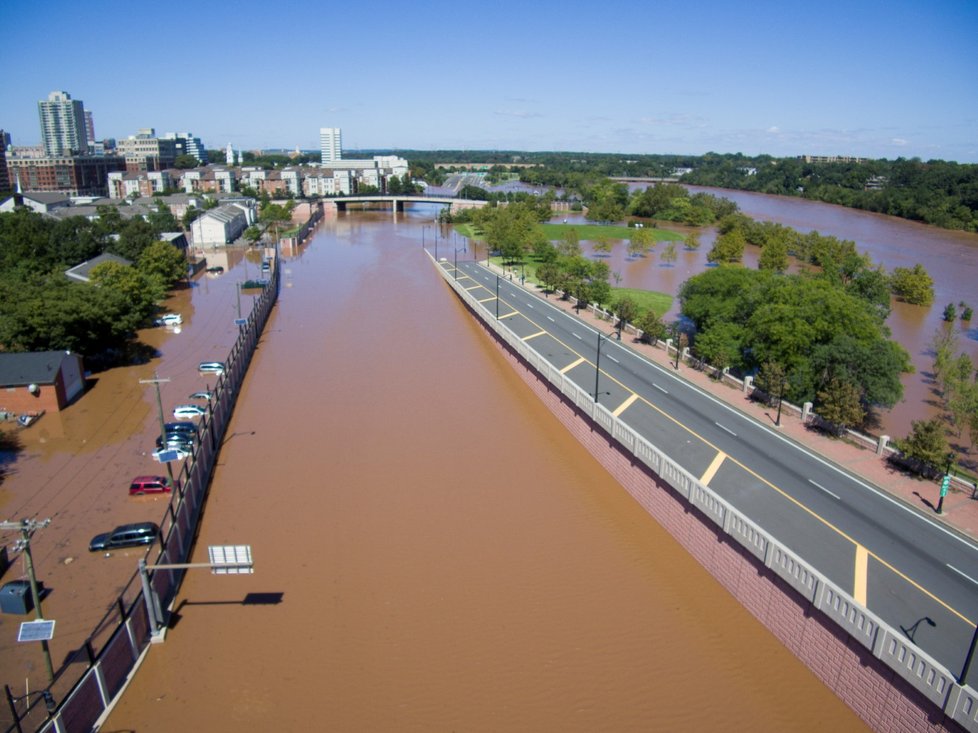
[(926, 443), (774, 256), (720, 346), (626, 309), (570, 244), (728, 248), (640, 242), (913, 285), (134, 236), (692, 241), (839, 404), (274, 216), (163, 264), (772, 379), (653, 329), (162, 219), (669, 253), (185, 161), (950, 313), (601, 245), (252, 234)]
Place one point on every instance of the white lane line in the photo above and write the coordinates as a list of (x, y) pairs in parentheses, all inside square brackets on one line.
[(614, 360), (664, 391), (819, 486), (551, 319), (531, 306), (576, 336), (722, 427), (963, 575)]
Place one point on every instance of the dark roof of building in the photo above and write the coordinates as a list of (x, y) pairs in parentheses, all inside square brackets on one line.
[(82, 272), (30, 367)]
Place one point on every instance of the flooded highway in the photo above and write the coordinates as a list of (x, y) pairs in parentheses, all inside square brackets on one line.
[(433, 551)]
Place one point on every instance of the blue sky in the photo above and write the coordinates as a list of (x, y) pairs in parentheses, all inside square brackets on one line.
[(865, 77)]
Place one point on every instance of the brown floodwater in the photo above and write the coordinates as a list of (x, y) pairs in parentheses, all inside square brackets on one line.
[(433, 550)]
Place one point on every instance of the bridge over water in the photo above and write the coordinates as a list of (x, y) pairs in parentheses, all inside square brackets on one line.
[(397, 202)]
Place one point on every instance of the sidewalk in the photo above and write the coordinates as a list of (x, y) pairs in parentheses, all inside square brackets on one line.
[(960, 510)]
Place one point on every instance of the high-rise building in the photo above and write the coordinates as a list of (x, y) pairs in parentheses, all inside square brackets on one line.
[(4, 144), (89, 127), (63, 125), (331, 144), (187, 144)]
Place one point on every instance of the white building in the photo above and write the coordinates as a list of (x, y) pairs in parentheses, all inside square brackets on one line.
[(221, 225), (63, 131), (331, 144)]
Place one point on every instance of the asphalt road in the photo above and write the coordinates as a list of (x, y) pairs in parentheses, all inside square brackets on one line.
[(913, 573)]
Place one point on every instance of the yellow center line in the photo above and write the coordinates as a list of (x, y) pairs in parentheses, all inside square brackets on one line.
[(625, 405), (534, 335), (763, 480), (571, 366), (859, 580), (718, 460)]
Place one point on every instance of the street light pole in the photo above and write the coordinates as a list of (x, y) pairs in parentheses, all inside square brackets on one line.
[(27, 527), (597, 367), (777, 422), (497, 297), (155, 381), (945, 483)]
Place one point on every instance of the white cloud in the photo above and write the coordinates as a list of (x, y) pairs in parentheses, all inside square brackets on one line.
[(899, 141), (519, 113)]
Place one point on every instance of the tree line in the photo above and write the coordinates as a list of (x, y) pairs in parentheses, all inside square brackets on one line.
[(42, 309)]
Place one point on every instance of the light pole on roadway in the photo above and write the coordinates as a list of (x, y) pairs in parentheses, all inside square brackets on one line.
[(597, 366)]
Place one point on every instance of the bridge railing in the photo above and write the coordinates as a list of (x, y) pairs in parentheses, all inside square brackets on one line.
[(889, 645)]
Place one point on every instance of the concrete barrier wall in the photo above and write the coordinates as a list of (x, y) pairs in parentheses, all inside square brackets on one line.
[(884, 678)]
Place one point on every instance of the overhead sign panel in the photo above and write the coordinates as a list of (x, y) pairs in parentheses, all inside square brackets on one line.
[(230, 559)]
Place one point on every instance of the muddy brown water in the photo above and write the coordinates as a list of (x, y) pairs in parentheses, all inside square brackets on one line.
[(433, 551)]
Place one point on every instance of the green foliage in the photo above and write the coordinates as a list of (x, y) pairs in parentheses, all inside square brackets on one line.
[(774, 256), (926, 443), (653, 329), (913, 285), (669, 253), (838, 403), (966, 313), (721, 345), (162, 219), (950, 312), (162, 264), (728, 248), (511, 230), (772, 379), (816, 331), (184, 162), (626, 309)]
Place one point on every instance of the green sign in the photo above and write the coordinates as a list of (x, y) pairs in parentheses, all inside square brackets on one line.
[(945, 482)]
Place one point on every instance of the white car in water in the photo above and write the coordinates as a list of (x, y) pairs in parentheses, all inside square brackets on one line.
[(169, 319), (184, 412)]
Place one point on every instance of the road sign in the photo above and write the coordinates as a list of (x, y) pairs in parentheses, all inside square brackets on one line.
[(945, 483), (42, 630), (240, 321), (235, 559), (165, 456)]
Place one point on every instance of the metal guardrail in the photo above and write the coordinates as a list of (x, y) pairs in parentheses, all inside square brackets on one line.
[(888, 645)]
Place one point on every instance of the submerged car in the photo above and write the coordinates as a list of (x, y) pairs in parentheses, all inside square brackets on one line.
[(182, 412), (175, 452), (214, 367), (169, 319), (149, 485), (125, 535), (201, 395)]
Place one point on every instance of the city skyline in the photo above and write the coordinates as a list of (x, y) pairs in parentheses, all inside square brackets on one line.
[(863, 78)]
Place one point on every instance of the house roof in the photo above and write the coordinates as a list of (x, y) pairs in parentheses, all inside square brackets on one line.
[(31, 367), (83, 271)]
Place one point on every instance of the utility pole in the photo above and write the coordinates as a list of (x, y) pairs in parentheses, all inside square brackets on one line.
[(156, 381), (27, 528)]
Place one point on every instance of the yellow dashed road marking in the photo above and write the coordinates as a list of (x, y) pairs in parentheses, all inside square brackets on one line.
[(625, 405), (707, 477), (862, 566), (571, 366)]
